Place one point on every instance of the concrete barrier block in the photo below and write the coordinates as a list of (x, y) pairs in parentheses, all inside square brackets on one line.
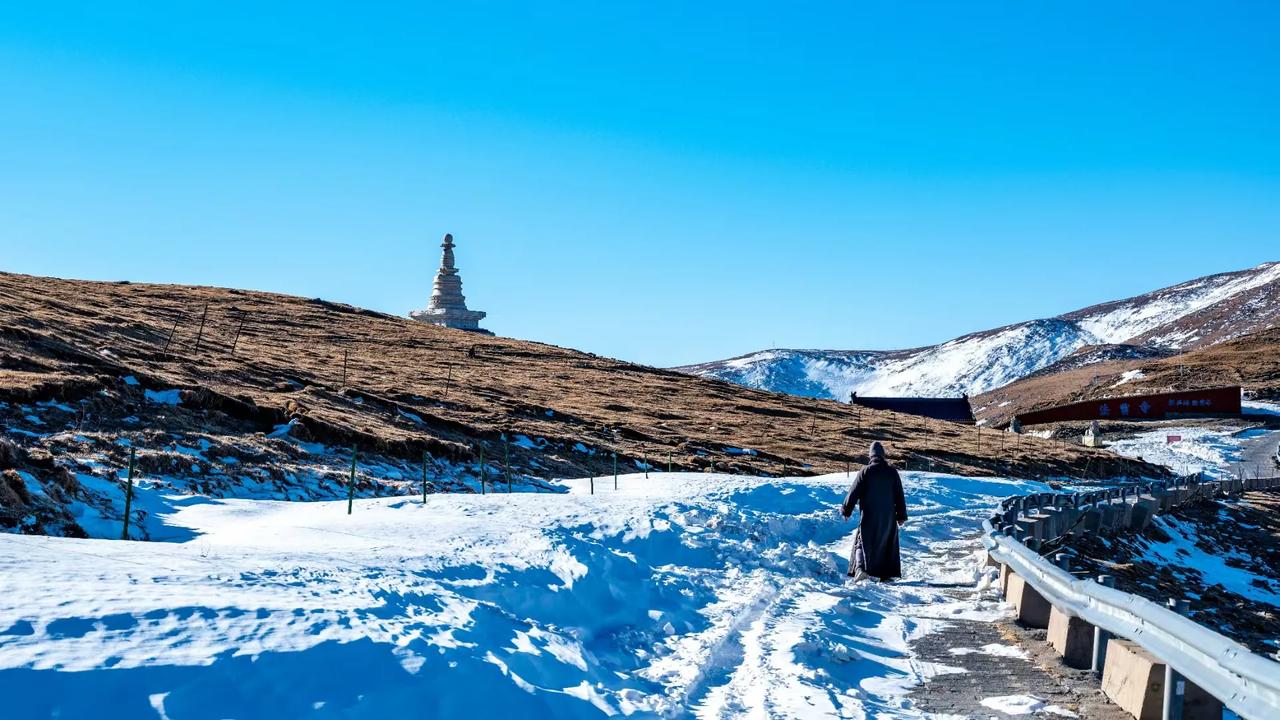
[(1164, 500), (1090, 519), (1067, 518), (1031, 607), (1045, 522), (1030, 525), (1054, 526), (1108, 513), (1072, 638), (1115, 516), (1125, 519), (1143, 511), (1134, 680)]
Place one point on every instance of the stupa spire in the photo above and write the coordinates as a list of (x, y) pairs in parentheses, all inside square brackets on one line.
[(448, 306)]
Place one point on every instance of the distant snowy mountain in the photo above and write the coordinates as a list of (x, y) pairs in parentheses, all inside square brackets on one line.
[(1200, 312)]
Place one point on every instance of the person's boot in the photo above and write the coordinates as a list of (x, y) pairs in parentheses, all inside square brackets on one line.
[(859, 576)]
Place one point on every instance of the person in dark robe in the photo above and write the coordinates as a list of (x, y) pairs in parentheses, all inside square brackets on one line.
[(877, 490)]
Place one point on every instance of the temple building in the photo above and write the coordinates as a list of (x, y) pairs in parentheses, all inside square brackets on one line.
[(447, 306)]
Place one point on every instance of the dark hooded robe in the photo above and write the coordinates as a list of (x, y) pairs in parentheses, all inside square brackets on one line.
[(877, 489)]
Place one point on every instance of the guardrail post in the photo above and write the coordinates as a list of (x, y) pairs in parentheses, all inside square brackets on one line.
[(1100, 636), (1175, 686), (1063, 560)]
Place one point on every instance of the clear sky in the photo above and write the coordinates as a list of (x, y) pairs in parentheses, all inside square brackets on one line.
[(665, 182)]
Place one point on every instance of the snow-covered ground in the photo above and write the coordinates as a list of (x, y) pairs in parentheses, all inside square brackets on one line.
[(1259, 407), (680, 594), (1216, 451)]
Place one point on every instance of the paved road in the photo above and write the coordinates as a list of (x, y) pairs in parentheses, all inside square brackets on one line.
[(1038, 672), (1258, 454), (994, 660)]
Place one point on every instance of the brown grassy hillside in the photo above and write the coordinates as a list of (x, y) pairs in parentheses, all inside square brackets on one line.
[(409, 387), (1251, 361)]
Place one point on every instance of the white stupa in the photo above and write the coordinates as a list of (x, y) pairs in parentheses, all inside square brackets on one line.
[(447, 305)]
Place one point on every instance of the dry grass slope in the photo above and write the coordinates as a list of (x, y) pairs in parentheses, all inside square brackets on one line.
[(400, 387)]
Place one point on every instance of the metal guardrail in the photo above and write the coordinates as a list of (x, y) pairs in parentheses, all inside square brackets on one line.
[(1246, 683)]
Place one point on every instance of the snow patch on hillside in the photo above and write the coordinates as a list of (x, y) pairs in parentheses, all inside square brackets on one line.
[(967, 365), (1130, 319), (983, 361)]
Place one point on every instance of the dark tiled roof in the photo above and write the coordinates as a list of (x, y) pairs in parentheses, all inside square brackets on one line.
[(953, 409)]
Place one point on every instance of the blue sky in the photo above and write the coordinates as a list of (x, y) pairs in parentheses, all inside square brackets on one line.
[(665, 182)]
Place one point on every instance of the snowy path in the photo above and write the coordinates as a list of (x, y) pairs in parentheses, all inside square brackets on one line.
[(678, 595)]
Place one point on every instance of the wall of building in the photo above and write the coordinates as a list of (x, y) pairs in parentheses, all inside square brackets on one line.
[(1212, 402)]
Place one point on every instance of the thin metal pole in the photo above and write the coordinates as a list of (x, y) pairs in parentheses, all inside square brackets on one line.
[(128, 496), (506, 459), (615, 469), (236, 339), (345, 353), (424, 477), (169, 340), (351, 486), (484, 471), (200, 335)]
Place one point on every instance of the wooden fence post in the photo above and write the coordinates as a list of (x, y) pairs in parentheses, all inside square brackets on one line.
[(128, 496)]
